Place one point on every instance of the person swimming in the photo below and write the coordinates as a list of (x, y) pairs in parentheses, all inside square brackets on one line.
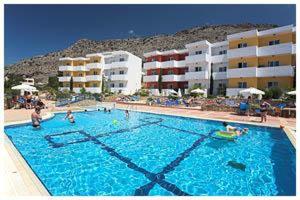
[(70, 116), (239, 131), (105, 110), (36, 117), (127, 114)]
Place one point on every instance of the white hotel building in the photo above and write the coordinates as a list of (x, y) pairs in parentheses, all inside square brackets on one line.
[(260, 59), (121, 69)]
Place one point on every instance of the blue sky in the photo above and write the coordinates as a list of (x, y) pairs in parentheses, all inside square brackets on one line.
[(39, 29)]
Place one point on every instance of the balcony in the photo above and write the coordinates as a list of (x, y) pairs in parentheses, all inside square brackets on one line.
[(275, 71), (65, 68), (285, 48), (64, 88), (93, 89), (77, 89), (80, 68), (219, 75), (243, 52), (119, 77), (197, 58), (261, 72), (233, 91), (79, 79), (196, 75), (219, 58), (172, 64), (90, 66), (151, 78), (152, 65), (173, 78), (241, 72), (117, 65), (93, 78), (64, 79)]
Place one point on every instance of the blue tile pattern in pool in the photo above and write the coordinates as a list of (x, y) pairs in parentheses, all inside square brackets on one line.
[(149, 154)]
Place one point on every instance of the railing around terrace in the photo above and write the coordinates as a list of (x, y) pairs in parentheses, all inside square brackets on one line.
[(73, 99)]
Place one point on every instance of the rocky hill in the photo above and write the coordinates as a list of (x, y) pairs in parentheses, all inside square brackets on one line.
[(41, 67)]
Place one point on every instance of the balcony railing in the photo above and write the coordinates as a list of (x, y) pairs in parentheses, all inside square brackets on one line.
[(64, 79), (119, 77), (90, 66), (65, 68), (219, 75), (151, 78), (278, 71), (196, 75), (93, 78), (173, 78), (243, 52), (197, 58)]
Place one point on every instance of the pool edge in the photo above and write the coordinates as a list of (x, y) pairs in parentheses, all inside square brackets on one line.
[(30, 179)]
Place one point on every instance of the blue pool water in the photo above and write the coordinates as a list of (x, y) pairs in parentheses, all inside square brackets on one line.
[(148, 154)]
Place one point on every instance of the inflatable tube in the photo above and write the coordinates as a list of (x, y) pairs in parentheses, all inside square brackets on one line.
[(225, 135)]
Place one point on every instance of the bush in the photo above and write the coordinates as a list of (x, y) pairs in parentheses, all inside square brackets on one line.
[(172, 97), (273, 93)]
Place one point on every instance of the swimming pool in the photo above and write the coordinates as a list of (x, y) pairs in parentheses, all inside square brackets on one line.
[(150, 154)]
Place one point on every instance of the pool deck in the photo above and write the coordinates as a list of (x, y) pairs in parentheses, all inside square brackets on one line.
[(21, 181)]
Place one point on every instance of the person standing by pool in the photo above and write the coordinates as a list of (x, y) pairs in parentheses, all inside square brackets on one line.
[(36, 117), (248, 103), (263, 111), (70, 116)]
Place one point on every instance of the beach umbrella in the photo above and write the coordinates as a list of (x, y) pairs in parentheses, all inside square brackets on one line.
[(25, 88), (172, 92), (292, 92), (251, 91), (198, 91)]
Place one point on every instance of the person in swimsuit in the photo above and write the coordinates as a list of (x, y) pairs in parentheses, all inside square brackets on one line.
[(263, 111), (70, 116), (127, 114), (239, 131), (36, 117)]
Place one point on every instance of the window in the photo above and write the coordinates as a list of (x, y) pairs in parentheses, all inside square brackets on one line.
[(80, 75), (68, 74), (152, 86), (198, 69), (112, 73), (242, 85), (272, 84), (79, 85), (122, 59), (121, 72), (95, 73), (112, 85), (273, 63), (171, 58), (198, 85), (153, 59), (186, 69), (222, 69), (94, 84), (121, 85), (198, 52), (186, 86), (170, 72), (222, 52), (242, 45), (153, 72), (274, 42), (170, 86), (242, 65)]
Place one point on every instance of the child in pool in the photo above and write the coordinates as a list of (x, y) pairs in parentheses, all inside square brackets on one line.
[(239, 131)]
